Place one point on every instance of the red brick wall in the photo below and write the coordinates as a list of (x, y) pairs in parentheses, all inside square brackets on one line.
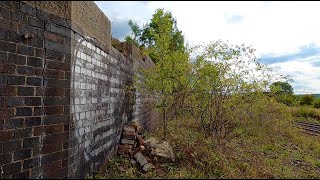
[(57, 121), (34, 92)]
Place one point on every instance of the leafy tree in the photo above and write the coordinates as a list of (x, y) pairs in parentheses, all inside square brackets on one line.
[(168, 75), (307, 99), (281, 88), (147, 38), (287, 99), (316, 103), (225, 86), (135, 35)]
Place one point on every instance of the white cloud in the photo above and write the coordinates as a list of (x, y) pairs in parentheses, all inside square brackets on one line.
[(306, 76), (272, 28)]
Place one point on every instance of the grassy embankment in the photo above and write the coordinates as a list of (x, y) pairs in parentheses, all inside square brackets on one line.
[(273, 148)]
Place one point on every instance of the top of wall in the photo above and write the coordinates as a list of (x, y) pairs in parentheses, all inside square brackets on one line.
[(132, 51), (85, 14)]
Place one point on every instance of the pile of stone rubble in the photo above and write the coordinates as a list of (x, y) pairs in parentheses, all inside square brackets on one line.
[(144, 152)]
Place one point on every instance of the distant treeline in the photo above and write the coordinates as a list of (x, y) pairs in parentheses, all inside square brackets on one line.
[(315, 95)]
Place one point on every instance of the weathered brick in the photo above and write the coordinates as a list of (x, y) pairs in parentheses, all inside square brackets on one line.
[(66, 127), (25, 91), (17, 59), (38, 111), (7, 176), (33, 101), (57, 29), (5, 158), (36, 22), (51, 129), (30, 142), (5, 13), (13, 5), (3, 57), (67, 91), (27, 9), (33, 121), (26, 70), (10, 146), (53, 37), (49, 158), (54, 138), (11, 168), (35, 42), (53, 101), (23, 133), (19, 17), (7, 68), (68, 59), (54, 91), (58, 83), (25, 50), (58, 66), (1, 102), (14, 123), (9, 25), (16, 80), (34, 81), (24, 111), (31, 163), (6, 112), (56, 119), (15, 101), (66, 109), (39, 52), (46, 149), (22, 154), (64, 163), (6, 135), (54, 55), (3, 79), (11, 36), (51, 18), (22, 175), (8, 90), (35, 62), (51, 167), (8, 46), (53, 74), (130, 135), (57, 47), (53, 110)]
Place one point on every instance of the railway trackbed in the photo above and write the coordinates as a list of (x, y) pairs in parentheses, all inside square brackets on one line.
[(309, 128)]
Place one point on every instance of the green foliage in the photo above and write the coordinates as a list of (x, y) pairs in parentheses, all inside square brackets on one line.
[(306, 112), (136, 33), (223, 79), (164, 43), (161, 28), (307, 99), (316, 103), (287, 99), (263, 147), (281, 88)]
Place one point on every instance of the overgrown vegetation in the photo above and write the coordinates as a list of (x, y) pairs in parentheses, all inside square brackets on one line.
[(307, 99), (259, 147), (220, 111), (316, 103)]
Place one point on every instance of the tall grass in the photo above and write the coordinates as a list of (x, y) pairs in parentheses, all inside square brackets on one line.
[(264, 144)]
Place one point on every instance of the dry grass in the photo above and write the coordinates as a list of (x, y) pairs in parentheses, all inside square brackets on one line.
[(272, 149)]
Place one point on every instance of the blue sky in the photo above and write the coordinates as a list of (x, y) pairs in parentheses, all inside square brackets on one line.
[(285, 34)]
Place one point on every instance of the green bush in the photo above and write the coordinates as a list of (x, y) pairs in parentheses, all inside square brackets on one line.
[(307, 99), (287, 99), (316, 103)]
